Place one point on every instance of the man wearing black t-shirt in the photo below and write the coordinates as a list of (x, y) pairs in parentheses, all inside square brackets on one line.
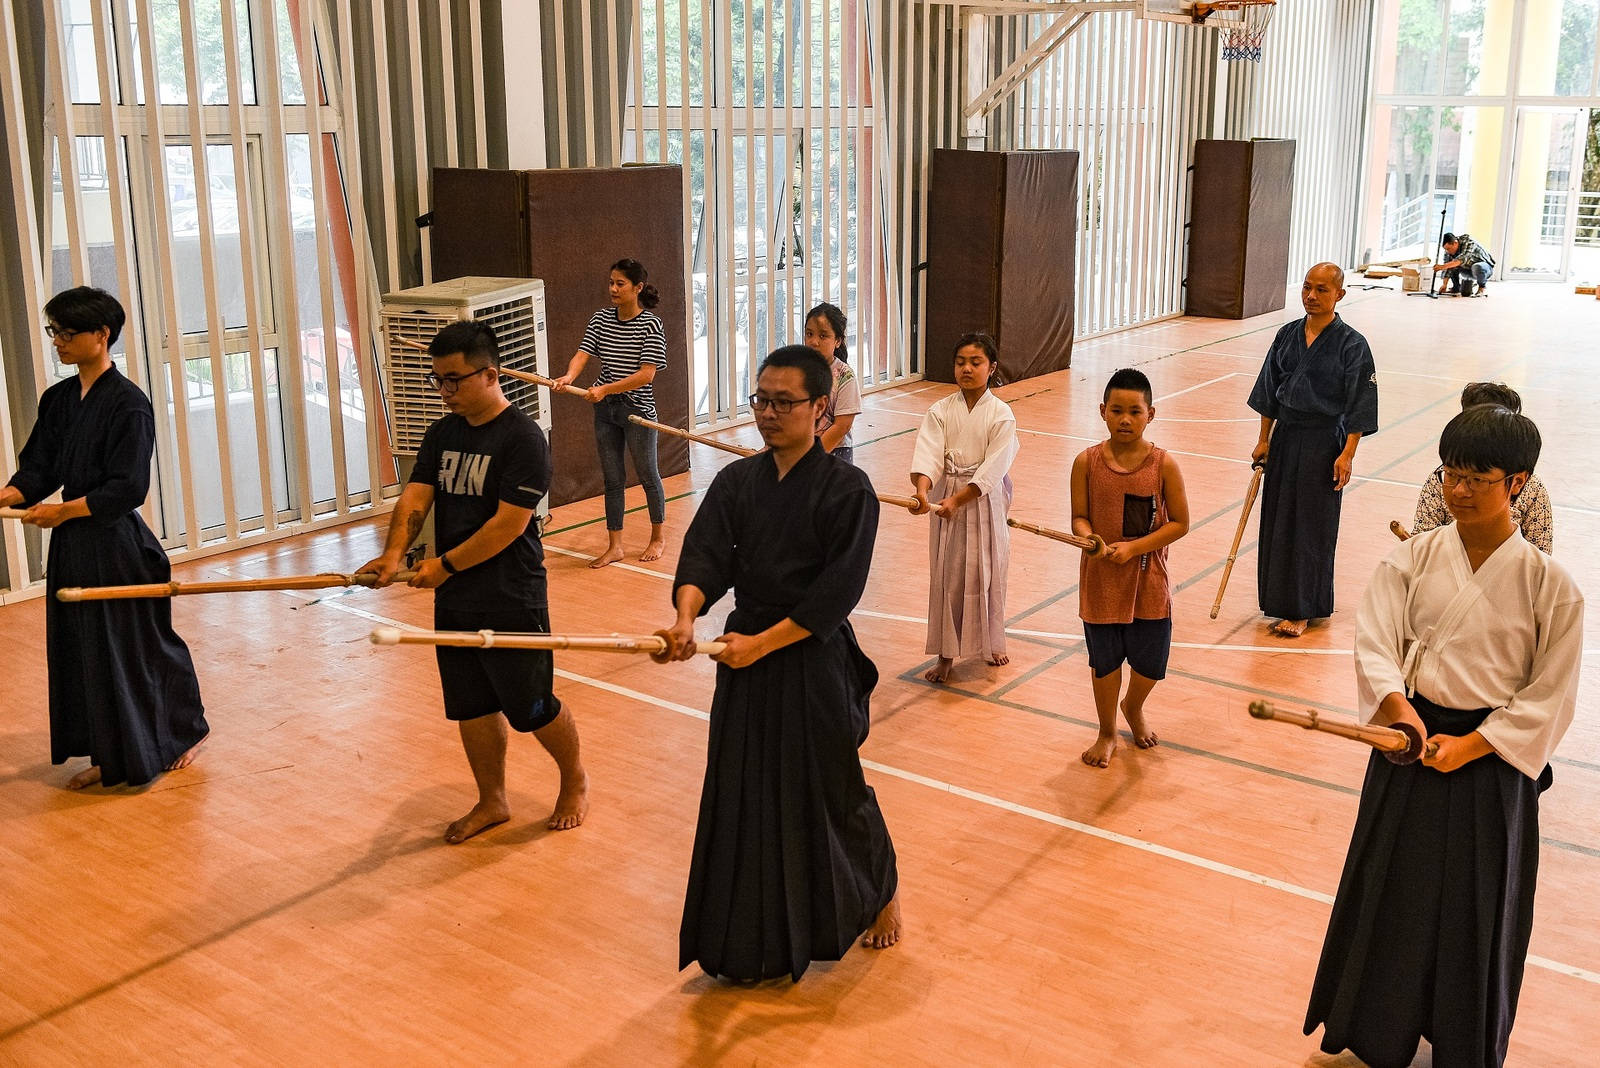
[(485, 466)]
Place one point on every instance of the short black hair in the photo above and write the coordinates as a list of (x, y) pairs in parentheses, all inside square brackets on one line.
[(475, 340), (818, 375), (1475, 393), (1488, 436), (85, 309), (1448, 239), (1128, 378), (982, 341)]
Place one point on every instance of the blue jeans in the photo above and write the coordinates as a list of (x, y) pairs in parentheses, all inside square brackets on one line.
[(1469, 279), (613, 433)]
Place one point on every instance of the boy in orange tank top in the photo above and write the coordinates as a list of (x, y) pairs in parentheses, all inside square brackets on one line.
[(1129, 493)]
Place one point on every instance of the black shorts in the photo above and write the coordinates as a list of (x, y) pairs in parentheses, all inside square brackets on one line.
[(481, 682), (1142, 644)]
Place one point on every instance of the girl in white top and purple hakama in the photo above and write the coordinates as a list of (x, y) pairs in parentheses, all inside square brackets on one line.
[(961, 473), (1474, 638)]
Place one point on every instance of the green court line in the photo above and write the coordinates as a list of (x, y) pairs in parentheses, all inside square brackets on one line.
[(630, 511)]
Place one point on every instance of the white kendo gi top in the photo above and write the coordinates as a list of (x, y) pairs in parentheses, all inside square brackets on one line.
[(971, 552), (974, 446), (1509, 638)]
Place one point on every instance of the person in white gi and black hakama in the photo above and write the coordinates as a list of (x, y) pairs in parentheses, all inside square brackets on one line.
[(123, 690), (792, 861), (1475, 638), (1317, 394), (961, 472)]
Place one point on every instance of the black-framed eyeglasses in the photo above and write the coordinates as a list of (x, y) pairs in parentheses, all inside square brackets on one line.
[(448, 384), (781, 405), (60, 333), (1475, 483)]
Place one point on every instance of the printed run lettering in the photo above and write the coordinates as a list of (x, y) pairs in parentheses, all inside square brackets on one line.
[(463, 474)]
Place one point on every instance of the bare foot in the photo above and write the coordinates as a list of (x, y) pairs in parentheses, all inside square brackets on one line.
[(87, 777), (188, 756), (572, 805), (1290, 628), (940, 671), (999, 660), (480, 819), (1098, 755), (885, 930), (652, 551), (610, 556), (1143, 737)]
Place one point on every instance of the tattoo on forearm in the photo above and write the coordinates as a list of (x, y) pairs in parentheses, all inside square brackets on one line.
[(413, 526)]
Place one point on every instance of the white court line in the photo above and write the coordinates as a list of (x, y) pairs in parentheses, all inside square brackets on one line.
[(1192, 859), (897, 411), (921, 621), (1053, 434), (1201, 385), (921, 389), (619, 564), (1176, 419), (890, 615)]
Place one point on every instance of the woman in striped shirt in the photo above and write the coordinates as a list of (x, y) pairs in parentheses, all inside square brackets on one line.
[(631, 345)]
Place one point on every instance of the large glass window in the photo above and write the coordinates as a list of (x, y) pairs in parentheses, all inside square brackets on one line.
[(1506, 170), (770, 98), (196, 241), (1558, 46)]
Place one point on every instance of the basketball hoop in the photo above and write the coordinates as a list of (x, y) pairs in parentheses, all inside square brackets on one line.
[(1241, 41)]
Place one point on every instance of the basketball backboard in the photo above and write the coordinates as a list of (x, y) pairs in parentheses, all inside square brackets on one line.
[(1184, 11)]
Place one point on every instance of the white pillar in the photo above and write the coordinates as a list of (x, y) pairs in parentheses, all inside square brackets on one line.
[(523, 50), (975, 128)]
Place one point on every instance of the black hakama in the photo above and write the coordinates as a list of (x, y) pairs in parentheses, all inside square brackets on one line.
[(1431, 923), (792, 860), (1299, 518), (1318, 395), (123, 690)]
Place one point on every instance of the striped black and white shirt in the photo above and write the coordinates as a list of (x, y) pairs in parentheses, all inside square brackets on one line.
[(624, 347)]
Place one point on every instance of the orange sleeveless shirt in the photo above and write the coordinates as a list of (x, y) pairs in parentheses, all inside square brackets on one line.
[(1124, 505)]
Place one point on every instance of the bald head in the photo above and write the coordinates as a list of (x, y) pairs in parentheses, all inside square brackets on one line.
[(1323, 288), (1332, 273)]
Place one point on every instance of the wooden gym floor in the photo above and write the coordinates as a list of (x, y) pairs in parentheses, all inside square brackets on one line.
[(288, 899)]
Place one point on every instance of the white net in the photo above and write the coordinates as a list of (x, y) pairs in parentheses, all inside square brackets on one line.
[(1242, 44)]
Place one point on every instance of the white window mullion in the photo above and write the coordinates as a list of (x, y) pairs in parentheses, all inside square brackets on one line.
[(586, 64), (563, 154), (378, 41), (808, 140), (687, 160), (448, 79), (419, 128), (117, 180), (169, 326), (348, 142), (217, 353), (19, 152), (771, 213), (311, 65), (121, 227), (280, 216), (723, 98), (475, 62), (66, 130), (824, 256), (614, 96)]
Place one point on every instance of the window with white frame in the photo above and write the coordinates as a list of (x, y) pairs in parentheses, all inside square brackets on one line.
[(768, 106), (219, 221)]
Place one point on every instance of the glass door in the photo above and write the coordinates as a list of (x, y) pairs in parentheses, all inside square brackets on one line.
[(1546, 188), (1585, 264)]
